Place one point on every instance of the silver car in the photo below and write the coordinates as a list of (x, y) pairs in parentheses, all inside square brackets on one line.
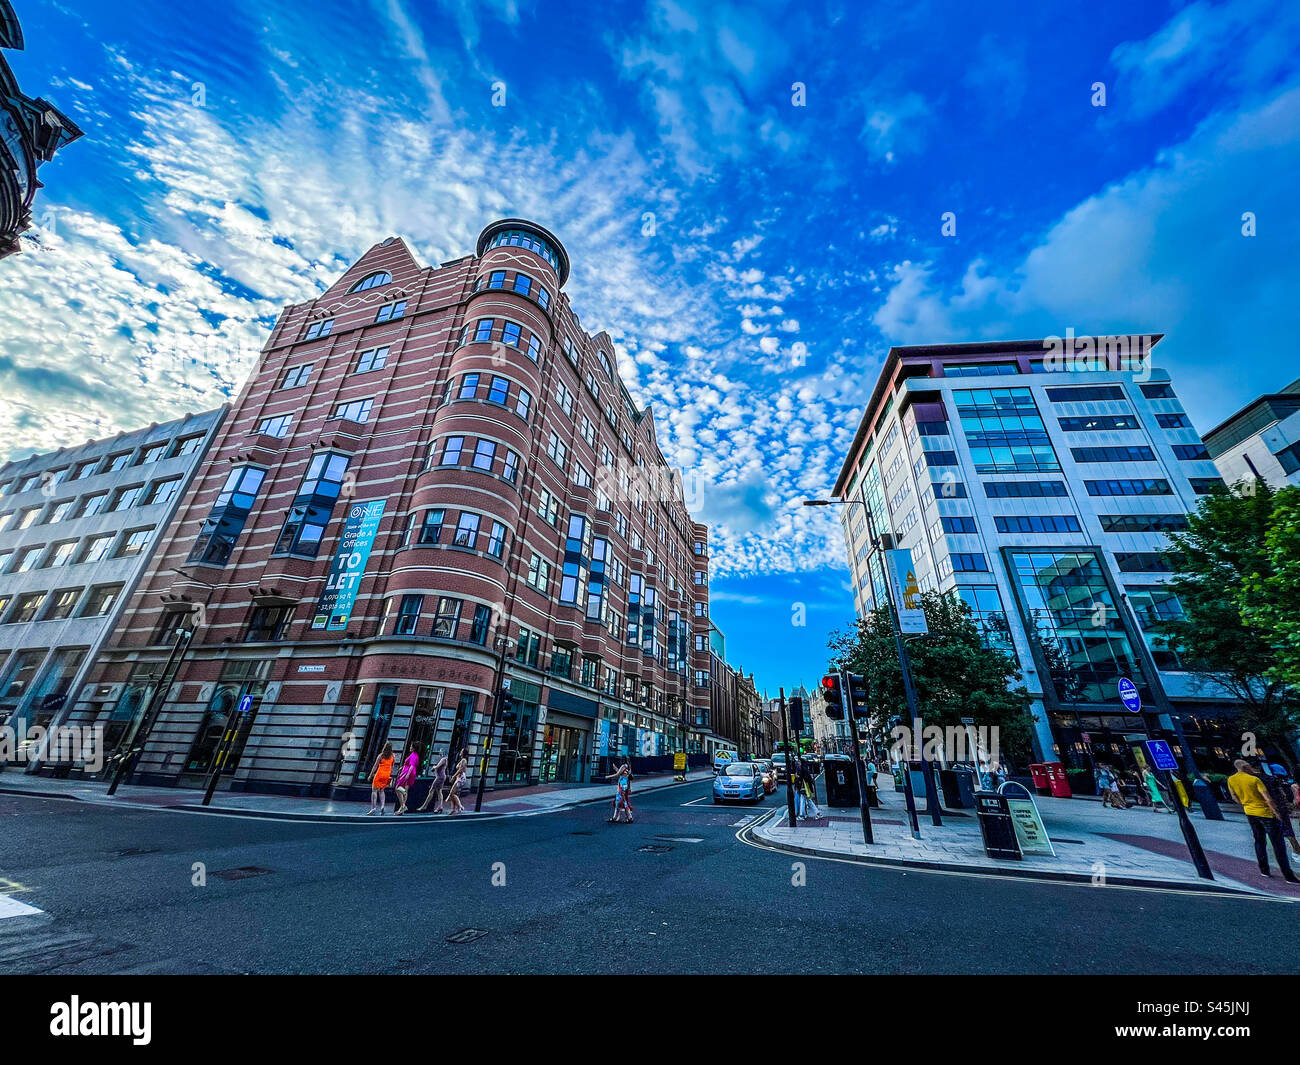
[(738, 782)]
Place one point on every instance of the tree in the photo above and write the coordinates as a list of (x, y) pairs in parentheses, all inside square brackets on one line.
[(956, 675), (1225, 546), (1270, 600)]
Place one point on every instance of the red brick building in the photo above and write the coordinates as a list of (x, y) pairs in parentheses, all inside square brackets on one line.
[(489, 476)]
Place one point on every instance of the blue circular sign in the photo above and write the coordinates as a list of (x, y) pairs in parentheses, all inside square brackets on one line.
[(1128, 695)]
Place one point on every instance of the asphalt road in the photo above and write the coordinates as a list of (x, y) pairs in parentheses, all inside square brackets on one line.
[(675, 892)]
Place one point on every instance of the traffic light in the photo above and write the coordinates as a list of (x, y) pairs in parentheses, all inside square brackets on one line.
[(857, 693), (834, 694), (796, 714), (507, 714)]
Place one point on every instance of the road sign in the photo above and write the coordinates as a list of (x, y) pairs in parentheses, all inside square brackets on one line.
[(1161, 754), (679, 760), (505, 684), (245, 704), (1128, 694)]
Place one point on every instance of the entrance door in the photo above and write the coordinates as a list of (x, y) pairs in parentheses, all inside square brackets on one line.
[(562, 755)]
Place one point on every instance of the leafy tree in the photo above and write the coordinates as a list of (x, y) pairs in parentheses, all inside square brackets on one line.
[(956, 675), (1270, 600), (1227, 544)]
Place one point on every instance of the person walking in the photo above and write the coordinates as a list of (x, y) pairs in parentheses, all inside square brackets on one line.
[(1262, 816), (435, 788), (1153, 789), (800, 802), (405, 778), (1108, 783), (809, 783), (1276, 784), (380, 774), (621, 777), (456, 780)]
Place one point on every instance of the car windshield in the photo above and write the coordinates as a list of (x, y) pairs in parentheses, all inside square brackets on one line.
[(739, 769), (779, 758)]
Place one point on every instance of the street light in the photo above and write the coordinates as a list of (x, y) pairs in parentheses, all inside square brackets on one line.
[(905, 666)]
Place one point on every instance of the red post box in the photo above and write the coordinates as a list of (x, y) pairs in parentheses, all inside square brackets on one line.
[(1042, 784), (1057, 780)]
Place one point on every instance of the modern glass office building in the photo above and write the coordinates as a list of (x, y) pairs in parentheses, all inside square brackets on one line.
[(1038, 481)]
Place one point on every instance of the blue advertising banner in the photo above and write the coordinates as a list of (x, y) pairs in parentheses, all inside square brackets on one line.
[(334, 607)]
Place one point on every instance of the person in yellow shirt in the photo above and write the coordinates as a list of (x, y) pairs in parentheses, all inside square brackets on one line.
[(1262, 816)]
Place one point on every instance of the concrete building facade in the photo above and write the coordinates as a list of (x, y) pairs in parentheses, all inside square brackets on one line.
[(78, 528), (1261, 441), (1038, 481), (434, 480)]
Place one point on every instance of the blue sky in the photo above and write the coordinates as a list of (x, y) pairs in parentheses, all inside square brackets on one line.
[(753, 258)]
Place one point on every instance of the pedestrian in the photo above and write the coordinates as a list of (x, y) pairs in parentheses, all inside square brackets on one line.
[(1108, 784), (1281, 795), (810, 791), (405, 778), (1263, 817), (800, 801), (622, 777), (435, 788), (870, 778), (1153, 789), (456, 781), (380, 774)]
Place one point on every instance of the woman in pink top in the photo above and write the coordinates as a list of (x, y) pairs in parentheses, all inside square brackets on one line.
[(405, 778)]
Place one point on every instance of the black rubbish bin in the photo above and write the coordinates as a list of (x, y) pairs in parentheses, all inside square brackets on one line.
[(841, 781), (958, 787), (996, 826)]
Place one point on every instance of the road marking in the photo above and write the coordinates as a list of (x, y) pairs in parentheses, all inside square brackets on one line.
[(695, 802), (13, 908), (746, 821), (682, 839)]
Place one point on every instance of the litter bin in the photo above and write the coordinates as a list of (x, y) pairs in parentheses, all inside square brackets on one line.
[(841, 781), (1042, 783), (996, 826), (1057, 782), (958, 788)]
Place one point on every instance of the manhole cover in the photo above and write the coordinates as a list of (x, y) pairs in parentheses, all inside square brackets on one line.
[(467, 935), (242, 873), (654, 848)]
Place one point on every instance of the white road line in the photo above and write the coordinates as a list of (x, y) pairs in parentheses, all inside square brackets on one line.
[(695, 802), (13, 908)]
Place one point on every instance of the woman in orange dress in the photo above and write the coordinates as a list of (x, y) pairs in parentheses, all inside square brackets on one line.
[(380, 774)]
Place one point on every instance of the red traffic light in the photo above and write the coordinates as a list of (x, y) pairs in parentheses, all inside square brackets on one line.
[(834, 696)]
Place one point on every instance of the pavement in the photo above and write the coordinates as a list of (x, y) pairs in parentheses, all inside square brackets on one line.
[(123, 888), (505, 802), (1094, 844)]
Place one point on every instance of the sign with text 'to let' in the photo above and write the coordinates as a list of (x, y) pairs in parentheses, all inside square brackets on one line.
[(334, 607), (907, 594)]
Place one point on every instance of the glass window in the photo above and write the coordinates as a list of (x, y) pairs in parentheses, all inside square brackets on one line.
[(372, 359), (468, 386), (163, 492), (408, 615), (451, 449), (500, 390), (485, 452), (390, 312), (1004, 431), (319, 329), (356, 411), (278, 426), (448, 617), (379, 277), (431, 527), (467, 529)]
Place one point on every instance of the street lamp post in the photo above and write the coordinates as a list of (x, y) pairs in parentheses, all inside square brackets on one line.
[(502, 643), (789, 769)]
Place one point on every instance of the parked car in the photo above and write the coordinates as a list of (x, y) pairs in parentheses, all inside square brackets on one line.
[(768, 769), (738, 782), (780, 763)]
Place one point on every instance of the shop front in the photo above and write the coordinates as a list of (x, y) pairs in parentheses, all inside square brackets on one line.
[(567, 738)]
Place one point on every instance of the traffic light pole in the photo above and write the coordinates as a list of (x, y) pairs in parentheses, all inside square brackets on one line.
[(863, 807), (498, 698), (789, 769)]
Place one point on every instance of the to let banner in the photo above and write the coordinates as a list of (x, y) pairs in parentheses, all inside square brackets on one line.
[(907, 595), (334, 607)]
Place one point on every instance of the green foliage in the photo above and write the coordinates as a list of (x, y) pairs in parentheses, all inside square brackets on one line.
[(1270, 599), (956, 676), (1235, 602)]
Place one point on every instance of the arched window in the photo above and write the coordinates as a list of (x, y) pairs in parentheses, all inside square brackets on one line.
[(372, 281)]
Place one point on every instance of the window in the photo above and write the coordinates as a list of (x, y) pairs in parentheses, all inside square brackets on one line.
[(1023, 489), (510, 470), (522, 403), (467, 529), (61, 554), (1142, 562), (1173, 421), (1190, 452), (113, 463), (297, 376), (548, 507), (534, 347), (1004, 430), (356, 411), (431, 527), (96, 548), (27, 559), (149, 455), (27, 518), (1086, 393), (604, 362), (485, 452), (522, 238), (1137, 453), (497, 540), (59, 512), (125, 498), (565, 398), (523, 284), (27, 607), (557, 450), (497, 279), (980, 369), (478, 632), (92, 504), (1204, 486), (268, 622), (100, 600), (278, 426), (1139, 487), (510, 332), (372, 359), (447, 617), (1036, 523), (134, 542), (408, 615), (1137, 523), (1160, 391), (229, 513), (313, 505), (319, 329), (500, 391), (187, 445), (63, 603), (379, 277), (162, 492), (451, 449), (390, 312), (581, 476), (483, 330), (1099, 423), (539, 573), (958, 524), (961, 563)]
